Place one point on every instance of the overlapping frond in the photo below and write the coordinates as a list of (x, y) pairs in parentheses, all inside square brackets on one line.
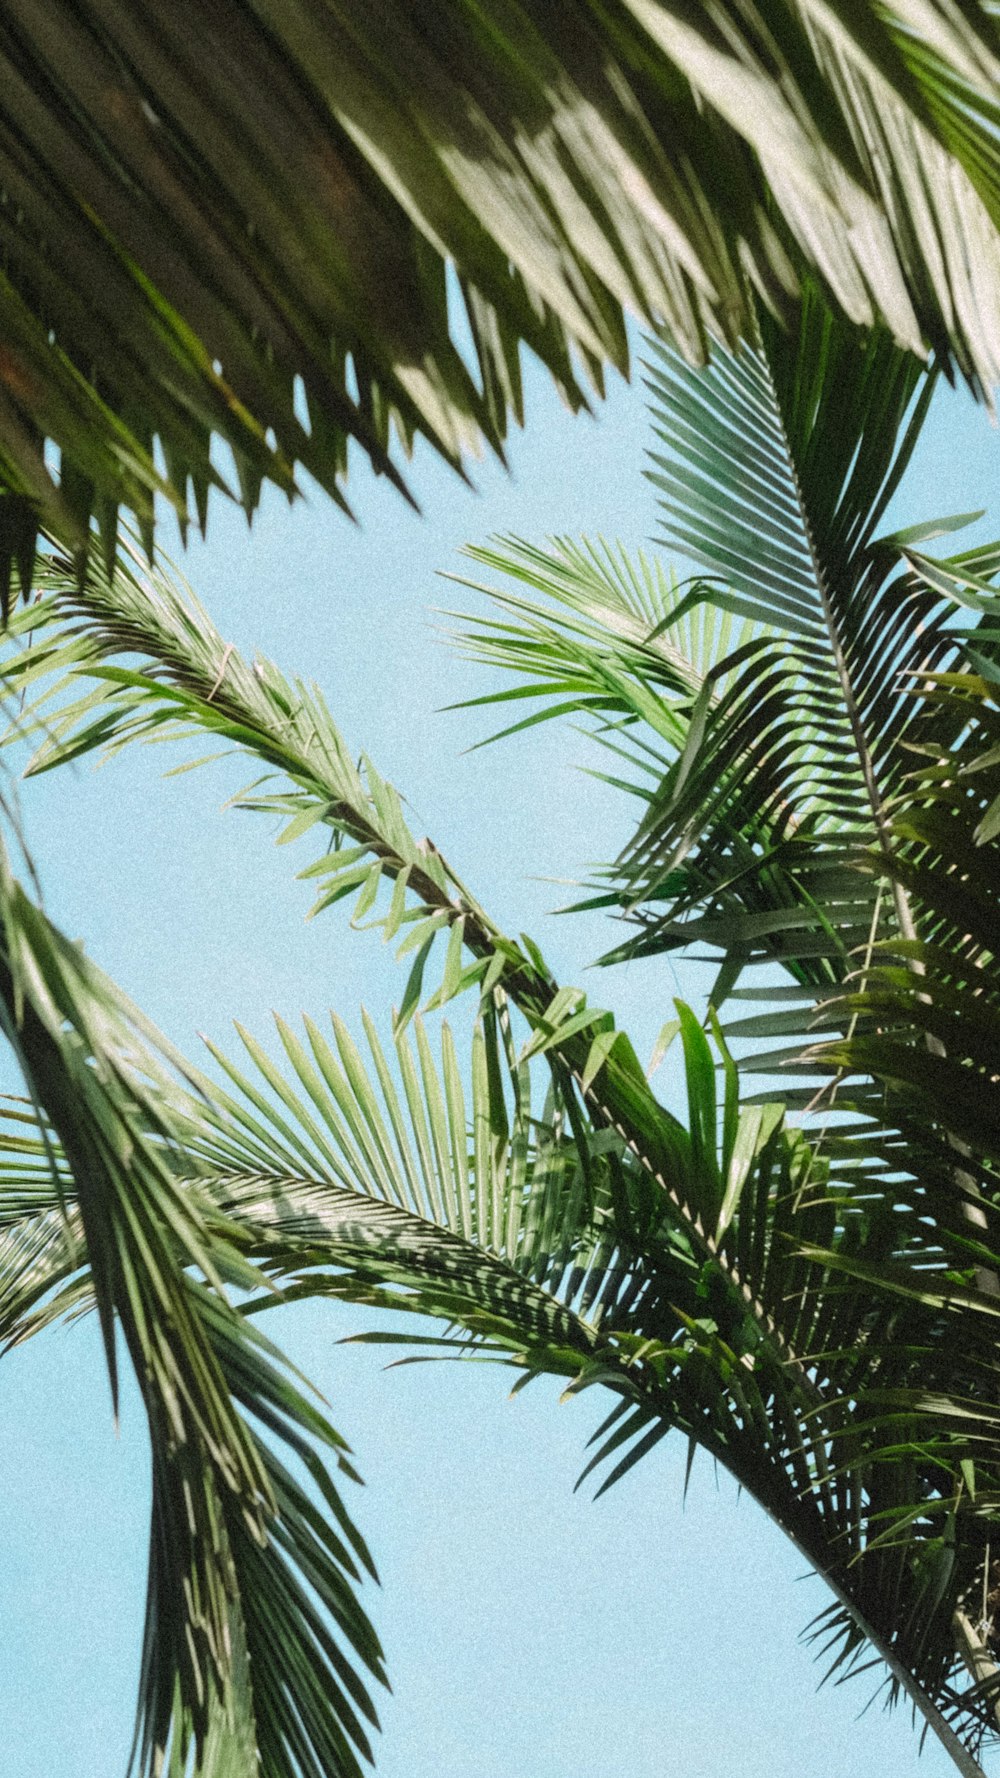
[(767, 755), (296, 227), (914, 1072), (853, 843), (537, 1242), (924, 1016), (720, 1252)]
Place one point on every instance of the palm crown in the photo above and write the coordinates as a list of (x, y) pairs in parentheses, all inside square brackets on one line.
[(802, 1280)]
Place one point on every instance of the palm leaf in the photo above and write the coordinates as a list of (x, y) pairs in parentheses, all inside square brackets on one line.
[(547, 1249), (766, 756), (214, 211), (94, 1183), (717, 1316)]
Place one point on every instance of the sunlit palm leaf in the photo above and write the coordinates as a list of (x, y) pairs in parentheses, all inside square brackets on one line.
[(213, 211)]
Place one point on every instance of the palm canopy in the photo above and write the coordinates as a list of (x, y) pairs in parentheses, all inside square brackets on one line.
[(810, 1305), (290, 227)]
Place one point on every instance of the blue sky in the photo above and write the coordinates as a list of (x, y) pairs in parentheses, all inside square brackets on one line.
[(529, 1630)]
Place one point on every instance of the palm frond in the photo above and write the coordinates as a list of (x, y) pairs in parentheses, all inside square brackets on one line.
[(295, 229), (720, 1312), (623, 643), (539, 1242), (925, 1016), (781, 462), (766, 756), (94, 1213)]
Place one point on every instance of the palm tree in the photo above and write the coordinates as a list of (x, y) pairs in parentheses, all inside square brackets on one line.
[(803, 1280), (293, 226)]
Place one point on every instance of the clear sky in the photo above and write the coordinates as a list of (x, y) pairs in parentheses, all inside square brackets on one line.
[(529, 1631)]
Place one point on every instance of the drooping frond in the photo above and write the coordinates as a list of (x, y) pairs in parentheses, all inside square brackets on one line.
[(94, 1212), (293, 227)]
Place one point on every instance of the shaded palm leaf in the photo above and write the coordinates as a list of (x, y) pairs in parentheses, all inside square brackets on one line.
[(212, 207), (926, 1014)]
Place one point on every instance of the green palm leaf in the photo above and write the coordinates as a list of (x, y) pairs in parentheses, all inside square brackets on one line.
[(908, 1119), (235, 1546), (297, 228), (548, 1249), (720, 1308), (766, 756)]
